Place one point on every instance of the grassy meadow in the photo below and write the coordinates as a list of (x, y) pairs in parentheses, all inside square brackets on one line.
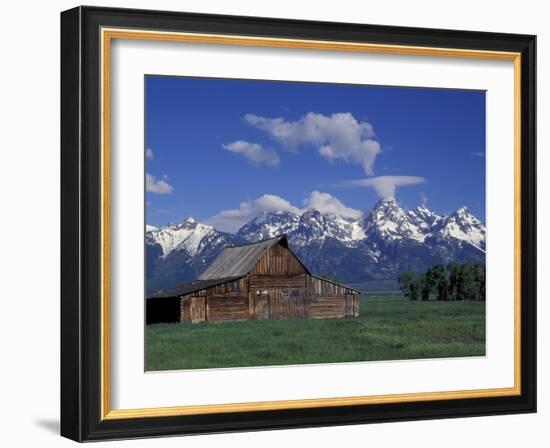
[(390, 327)]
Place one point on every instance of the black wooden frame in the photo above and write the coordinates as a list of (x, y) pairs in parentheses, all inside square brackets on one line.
[(80, 224)]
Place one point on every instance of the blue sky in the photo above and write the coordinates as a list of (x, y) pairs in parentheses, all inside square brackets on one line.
[(223, 151)]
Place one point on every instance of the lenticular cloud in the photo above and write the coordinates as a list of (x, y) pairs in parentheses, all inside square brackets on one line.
[(385, 186)]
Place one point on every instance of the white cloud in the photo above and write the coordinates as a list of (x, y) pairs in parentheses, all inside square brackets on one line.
[(385, 186), (149, 154), (478, 154), (233, 219), (158, 186), (338, 136), (254, 152), (326, 203)]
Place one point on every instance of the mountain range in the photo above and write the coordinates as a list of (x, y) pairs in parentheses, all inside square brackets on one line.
[(384, 242)]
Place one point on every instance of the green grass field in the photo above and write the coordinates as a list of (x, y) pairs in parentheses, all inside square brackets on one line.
[(389, 328)]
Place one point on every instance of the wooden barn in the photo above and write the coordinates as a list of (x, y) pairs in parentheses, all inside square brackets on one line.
[(263, 280)]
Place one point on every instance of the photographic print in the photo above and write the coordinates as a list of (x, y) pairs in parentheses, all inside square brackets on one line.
[(261, 202), (296, 223)]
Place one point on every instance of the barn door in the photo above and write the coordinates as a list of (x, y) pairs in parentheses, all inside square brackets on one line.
[(262, 306), (349, 305), (197, 309)]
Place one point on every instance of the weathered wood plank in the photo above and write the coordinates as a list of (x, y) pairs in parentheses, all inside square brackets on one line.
[(278, 287), (278, 261)]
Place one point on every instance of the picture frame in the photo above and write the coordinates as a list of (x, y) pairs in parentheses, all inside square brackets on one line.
[(86, 206)]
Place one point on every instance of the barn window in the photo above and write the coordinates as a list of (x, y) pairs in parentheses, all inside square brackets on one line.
[(290, 294), (233, 286)]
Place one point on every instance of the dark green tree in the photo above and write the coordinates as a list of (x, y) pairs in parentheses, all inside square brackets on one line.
[(426, 285), (481, 281), (408, 284), (416, 287), (478, 282), (441, 283), (469, 288), (451, 282), (453, 274)]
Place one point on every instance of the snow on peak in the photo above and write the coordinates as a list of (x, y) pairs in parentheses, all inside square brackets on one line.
[(464, 215), (423, 217), (268, 225), (462, 225), (308, 227), (424, 212), (389, 221), (184, 236), (386, 221)]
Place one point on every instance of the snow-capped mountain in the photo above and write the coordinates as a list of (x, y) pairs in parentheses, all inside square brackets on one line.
[(268, 225), (387, 221), (185, 236), (302, 230), (400, 239), (423, 218), (386, 241), (177, 253), (462, 228)]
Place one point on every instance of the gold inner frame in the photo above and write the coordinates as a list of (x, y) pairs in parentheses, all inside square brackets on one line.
[(107, 35)]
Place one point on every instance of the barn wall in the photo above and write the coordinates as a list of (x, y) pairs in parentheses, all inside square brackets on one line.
[(278, 287), (278, 297), (240, 285), (260, 282), (278, 261), (287, 304), (225, 302), (326, 287), (329, 300), (230, 306), (326, 307), (193, 309), (214, 307)]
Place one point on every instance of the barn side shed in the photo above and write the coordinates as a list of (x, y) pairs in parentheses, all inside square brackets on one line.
[(256, 281)]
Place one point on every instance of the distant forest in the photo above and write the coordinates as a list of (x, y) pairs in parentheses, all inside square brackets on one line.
[(445, 282)]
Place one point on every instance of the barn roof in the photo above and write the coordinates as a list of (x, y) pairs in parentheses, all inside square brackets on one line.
[(188, 288), (237, 261), (335, 283)]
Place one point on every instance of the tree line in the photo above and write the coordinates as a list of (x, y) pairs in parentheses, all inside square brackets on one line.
[(445, 282)]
